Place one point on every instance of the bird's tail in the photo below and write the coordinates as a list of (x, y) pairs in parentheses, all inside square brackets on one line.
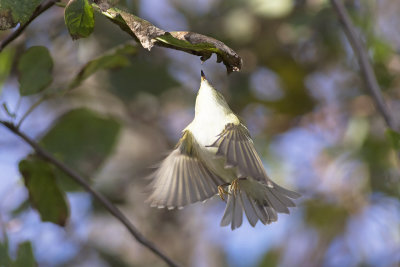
[(259, 201)]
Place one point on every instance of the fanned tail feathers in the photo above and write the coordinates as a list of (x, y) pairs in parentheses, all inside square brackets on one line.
[(261, 203)]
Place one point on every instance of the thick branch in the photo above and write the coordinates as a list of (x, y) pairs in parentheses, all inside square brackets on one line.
[(365, 65), (99, 197), (39, 10)]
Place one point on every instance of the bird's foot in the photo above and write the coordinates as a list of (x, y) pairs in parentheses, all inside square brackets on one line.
[(234, 187), (222, 192)]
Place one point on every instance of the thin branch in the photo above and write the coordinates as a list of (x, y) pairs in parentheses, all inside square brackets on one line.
[(98, 196), (363, 60), (31, 109), (39, 10)]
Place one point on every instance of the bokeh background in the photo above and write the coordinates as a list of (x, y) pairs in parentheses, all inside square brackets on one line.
[(300, 94)]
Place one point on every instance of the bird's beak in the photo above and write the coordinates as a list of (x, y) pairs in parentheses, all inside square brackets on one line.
[(203, 77)]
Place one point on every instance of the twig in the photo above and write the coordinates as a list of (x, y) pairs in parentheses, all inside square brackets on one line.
[(98, 196), (363, 60), (31, 109), (39, 10)]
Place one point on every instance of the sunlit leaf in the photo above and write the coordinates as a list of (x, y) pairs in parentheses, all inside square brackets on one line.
[(35, 67), (194, 43), (6, 61), (79, 18), (381, 49), (116, 58), (13, 12), (25, 257), (44, 193), (82, 139), (394, 138)]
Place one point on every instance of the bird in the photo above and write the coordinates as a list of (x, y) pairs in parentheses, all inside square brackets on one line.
[(216, 156)]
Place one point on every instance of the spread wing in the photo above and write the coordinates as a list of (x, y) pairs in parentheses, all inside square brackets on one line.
[(182, 178), (235, 144)]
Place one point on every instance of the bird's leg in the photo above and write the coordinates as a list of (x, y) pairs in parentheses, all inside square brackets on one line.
[(235, 185), (222, 191)]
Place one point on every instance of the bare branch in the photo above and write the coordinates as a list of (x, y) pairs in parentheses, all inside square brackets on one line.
[(363, 60), (39, 10), (31, 109), (98, 196)]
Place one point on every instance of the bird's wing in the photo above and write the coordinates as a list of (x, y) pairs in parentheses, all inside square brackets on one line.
[(235, 144), (182, 178)]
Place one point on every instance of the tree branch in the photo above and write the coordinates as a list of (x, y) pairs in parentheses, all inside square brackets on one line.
[(98, 196), (363, 60), (39, 10)]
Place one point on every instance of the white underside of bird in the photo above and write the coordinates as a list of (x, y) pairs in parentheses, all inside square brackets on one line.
[(216, 153)]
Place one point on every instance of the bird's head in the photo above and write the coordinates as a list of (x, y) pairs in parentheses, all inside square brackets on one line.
[(208, 96)]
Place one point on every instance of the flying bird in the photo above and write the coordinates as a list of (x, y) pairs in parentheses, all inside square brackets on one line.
[(216, 155)]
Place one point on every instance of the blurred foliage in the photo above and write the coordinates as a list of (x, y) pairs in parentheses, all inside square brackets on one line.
[(84, 150), (128, 82), (394, 138), (329, 218), (116, 58), (34, 68), (112, 260), (4, 257), (25, 257), (299, 91), (378, 153), (6, 60), (44, 194), (271, 258)]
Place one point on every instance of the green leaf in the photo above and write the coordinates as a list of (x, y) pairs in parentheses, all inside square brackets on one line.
[(6, 61), (79, 18), (21, 208), (139, 73), (4, 256), (112, 259), (35, 67), (115, 58), (81, 139), (13, 12), (394, 138), (271, 258), (25, 257), (194, 43), (44, 192), (328, 218)]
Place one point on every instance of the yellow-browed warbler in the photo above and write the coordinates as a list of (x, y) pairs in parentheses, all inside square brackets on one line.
[(216, 155)]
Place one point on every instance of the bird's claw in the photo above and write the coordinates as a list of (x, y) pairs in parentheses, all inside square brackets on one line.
[(234, 186), (222, 192)]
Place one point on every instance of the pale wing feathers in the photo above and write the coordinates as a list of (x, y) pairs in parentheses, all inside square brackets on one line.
[(286, 192), (262, 207), (235, 144), (182, 178)]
